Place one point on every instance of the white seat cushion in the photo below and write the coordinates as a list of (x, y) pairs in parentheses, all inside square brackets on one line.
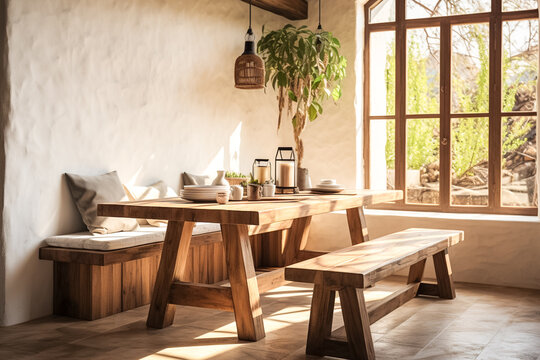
[(121, 240)]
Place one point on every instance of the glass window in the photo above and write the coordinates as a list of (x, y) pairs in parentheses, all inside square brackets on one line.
[(423, 161), (382, 73), (470, 68), (423, 71), (470, 141), (514, 5), (416, 9), (520, 65), (382, 154), (385, 11), (519, 162)]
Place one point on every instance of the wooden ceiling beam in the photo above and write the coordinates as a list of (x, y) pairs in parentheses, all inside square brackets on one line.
[(291, 9)]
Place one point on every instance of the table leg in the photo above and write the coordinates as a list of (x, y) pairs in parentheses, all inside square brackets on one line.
[(244, 287), (171, 268), (296, 239), (357, 225)]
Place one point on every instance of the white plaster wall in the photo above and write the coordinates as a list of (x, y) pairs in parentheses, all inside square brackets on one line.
[(144, 87)]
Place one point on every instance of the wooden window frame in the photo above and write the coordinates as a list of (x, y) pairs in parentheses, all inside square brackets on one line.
[(495, 19)]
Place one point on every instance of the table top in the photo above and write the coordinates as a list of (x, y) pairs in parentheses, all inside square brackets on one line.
[(265, 211)]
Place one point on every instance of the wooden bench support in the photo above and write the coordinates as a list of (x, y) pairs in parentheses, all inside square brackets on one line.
[(383, 307), (201, 295), (92, 284), (350, 271), (443, 271), (320, 319)]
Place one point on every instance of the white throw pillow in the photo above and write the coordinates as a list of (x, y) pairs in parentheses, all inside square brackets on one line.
[(158, 190)]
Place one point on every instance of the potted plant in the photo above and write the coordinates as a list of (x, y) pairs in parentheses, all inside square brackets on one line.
[(305, 68), (254, 188)]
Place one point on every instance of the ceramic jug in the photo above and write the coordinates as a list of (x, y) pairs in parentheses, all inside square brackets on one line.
[(220, 179)]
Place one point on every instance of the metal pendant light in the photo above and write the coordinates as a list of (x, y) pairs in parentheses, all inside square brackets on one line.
[(249, 68)]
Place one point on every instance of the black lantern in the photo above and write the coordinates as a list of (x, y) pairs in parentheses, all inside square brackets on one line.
[(262, 170), (285, 168)]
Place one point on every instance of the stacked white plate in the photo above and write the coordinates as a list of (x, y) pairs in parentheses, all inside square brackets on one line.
[(328, 186), (203, 193)]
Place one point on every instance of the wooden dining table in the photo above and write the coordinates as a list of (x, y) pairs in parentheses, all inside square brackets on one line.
[(239, 220)]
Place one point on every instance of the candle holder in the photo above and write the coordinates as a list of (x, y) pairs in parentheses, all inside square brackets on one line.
[(262, 170), (285, 171)]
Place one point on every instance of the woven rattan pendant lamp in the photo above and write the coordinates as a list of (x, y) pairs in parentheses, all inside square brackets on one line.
[(249, 68)]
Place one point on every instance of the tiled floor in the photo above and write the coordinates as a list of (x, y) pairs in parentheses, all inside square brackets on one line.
[(482, 323)]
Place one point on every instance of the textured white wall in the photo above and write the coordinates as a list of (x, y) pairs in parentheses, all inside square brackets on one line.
[(144, 87)]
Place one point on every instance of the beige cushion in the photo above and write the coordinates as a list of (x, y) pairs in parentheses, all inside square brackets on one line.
[(89, 191), (121, 240), (155, 191), (190, 179)]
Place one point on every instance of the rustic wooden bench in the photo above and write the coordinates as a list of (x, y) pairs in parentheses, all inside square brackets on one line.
[(92, 284), (360, 266)]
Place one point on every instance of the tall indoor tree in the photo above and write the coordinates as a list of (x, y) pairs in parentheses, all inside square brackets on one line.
[(305, 68)]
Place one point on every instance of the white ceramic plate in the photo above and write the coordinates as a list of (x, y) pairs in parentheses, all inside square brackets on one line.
[(205, 198), (205, 192), (329, 186), (327, 190), (205, 188)]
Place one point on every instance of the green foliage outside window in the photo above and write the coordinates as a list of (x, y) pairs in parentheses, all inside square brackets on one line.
[(470, 137)]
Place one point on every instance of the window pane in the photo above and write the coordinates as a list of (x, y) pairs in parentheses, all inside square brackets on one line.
[(519, 162), (423, 161), (470, 139), (385, 11), (513, 5), (423, 68), (382, 73), (470, 68), (382, 154), (430, 8), (520, 65)]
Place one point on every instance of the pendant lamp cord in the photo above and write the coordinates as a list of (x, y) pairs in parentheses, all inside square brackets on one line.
[(320, 26), (249, 30)]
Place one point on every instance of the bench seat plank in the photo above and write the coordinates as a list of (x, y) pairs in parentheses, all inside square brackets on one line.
[(366, 263), (102, 258)]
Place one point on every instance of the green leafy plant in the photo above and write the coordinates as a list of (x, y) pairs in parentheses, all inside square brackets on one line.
[(252, 180), (235, 175), (470, 136), (305, 68)]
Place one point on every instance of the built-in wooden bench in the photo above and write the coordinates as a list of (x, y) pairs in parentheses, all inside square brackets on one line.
[(360, 266), (91, 284)]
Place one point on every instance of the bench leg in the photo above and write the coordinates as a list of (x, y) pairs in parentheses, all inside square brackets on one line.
[(357, 225), (416, 272), (320, 319), (244, 286), (443, 271), (356, 319), (171, 268)]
